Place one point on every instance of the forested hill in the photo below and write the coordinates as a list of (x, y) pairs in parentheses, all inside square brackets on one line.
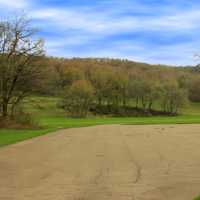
[(114, 62), (110, 61), (62, 72)]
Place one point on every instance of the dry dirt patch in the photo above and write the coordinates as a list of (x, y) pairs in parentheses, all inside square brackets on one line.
[(115, 162)]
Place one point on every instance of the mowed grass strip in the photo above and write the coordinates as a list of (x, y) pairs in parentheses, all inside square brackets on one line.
[(51, 118)]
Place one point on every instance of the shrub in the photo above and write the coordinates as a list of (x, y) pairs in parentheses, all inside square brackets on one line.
[(23, 119), (124, 111), (78, 98), (173, 98), (194, 90)]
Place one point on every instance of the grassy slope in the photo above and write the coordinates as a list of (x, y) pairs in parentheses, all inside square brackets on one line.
[(51, 118)]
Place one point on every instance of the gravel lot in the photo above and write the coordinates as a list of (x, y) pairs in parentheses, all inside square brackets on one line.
[(114, 162)]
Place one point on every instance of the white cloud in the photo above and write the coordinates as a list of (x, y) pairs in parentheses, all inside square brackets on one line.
[(107, 24), (72, 40), (13, 4)]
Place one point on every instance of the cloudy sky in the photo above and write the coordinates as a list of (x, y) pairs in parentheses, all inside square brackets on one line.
[(153, 31)]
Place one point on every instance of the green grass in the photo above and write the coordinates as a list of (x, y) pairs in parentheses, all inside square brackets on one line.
[(45, 111), (10, 136), (197, 198)]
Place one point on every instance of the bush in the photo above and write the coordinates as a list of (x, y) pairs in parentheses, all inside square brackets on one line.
[(78, 98), (194, 90), (124, 111), (20, 121), (23, 119), (173, 98)]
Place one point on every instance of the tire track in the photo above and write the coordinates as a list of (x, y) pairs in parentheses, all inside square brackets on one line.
[(133, 160)]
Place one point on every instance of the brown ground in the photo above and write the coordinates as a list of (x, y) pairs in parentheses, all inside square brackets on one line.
[(113, 162)]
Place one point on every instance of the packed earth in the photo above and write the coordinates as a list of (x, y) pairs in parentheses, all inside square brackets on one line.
[(107, 162)]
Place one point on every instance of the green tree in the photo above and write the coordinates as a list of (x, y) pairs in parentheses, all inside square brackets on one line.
[(78, 98), (101, 79), (173, 98), (194, 89)]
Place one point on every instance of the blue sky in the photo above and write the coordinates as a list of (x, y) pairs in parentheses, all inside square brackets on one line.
[(153, 31)]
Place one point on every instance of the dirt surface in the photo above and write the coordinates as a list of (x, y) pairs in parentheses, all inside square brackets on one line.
[(115, 162)]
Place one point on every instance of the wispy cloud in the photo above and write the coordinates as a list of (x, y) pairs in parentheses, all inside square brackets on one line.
[(106, 23), (13, 4)]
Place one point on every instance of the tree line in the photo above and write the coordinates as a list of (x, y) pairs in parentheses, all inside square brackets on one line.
[(118, 90)]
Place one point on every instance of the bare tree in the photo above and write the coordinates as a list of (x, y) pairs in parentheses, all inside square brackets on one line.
[(19, 53)]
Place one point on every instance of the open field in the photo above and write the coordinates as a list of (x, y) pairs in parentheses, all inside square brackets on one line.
[(50, 118), (154, 162)]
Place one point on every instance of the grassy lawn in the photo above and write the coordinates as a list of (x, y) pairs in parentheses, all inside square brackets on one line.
[(45, 111)]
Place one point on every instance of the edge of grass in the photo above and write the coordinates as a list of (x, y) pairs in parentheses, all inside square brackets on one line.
[(11, 136), (51, 119)]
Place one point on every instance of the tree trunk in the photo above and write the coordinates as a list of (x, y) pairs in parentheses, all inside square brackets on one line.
[(144, 104), (5, 108), (124, 101), (137, 101), (99, 101), (150, 106)]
